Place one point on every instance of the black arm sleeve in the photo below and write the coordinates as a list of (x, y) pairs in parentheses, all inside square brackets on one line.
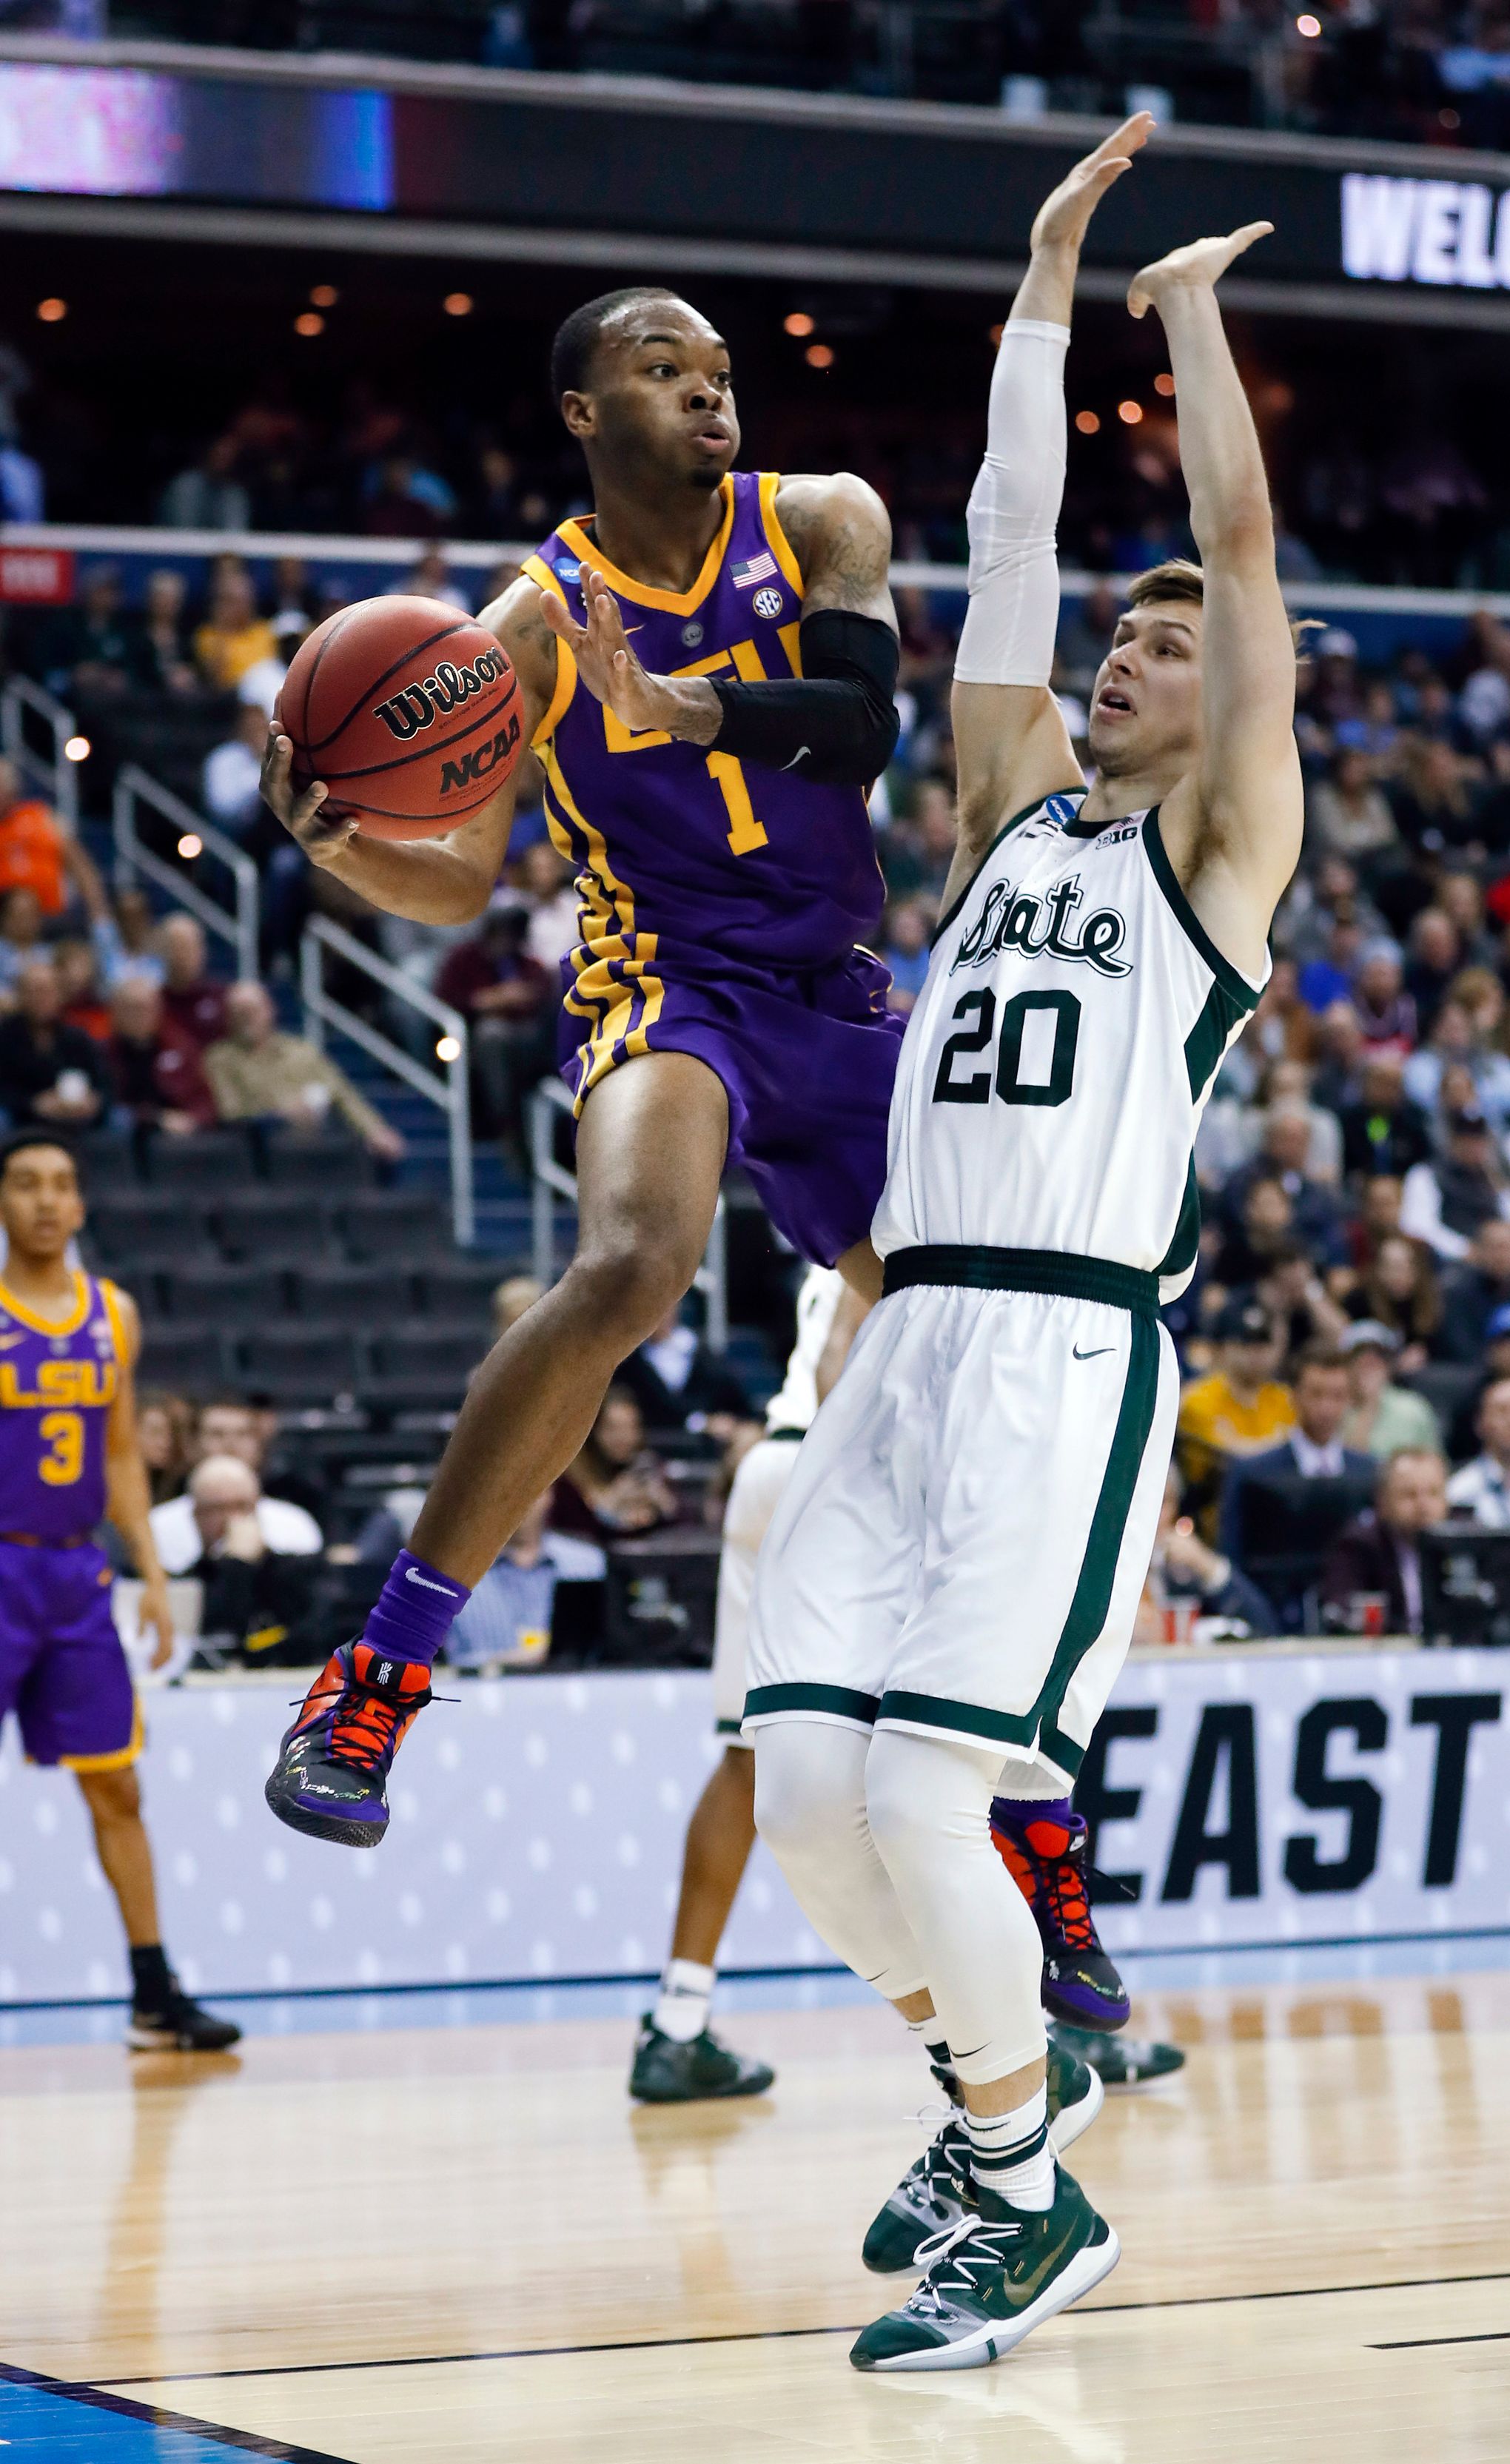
[(837, 721)]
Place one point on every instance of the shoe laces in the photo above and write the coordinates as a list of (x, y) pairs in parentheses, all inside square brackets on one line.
[(1069, 1902), (365, 1726), (952, 2268)]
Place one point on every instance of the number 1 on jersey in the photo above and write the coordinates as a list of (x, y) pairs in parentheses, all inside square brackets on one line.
[(745, 833)]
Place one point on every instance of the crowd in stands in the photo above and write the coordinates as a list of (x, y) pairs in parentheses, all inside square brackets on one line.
[(1421, 68)]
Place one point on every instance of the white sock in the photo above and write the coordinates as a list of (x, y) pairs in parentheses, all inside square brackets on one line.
[(1010, 2153), (928, 2035), (681, 2009)]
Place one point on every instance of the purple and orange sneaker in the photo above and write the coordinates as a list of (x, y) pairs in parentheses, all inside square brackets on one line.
[(1046, 1857), (330, 1777)]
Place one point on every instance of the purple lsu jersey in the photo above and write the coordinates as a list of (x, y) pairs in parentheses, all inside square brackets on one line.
[(57, 1382), (689, 860)]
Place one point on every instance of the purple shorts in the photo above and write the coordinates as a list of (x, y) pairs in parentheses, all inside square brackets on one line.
[(63, 1670), (806, 1061)]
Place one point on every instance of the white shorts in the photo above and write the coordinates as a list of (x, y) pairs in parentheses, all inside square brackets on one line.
[(755, 1492), (964, 1541)]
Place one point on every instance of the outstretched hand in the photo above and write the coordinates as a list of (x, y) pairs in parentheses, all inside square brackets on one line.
[(1196, 267), (1061, 219), (685, 706)]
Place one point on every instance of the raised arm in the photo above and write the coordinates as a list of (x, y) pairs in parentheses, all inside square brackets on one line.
[(1233, 828), (433, 881), (836, 720), (1012, 744)]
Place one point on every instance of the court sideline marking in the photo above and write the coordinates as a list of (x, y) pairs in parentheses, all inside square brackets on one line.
[(776, 2335), (228, 2442)]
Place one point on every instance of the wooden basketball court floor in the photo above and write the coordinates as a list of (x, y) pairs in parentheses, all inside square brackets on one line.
[(463, 2244)]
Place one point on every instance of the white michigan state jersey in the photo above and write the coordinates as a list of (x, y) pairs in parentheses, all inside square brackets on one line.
[(1060, 1053)]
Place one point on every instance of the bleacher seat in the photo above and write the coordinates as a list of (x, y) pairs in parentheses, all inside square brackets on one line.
[(300, 1362), (259, 1224), (332, 1165), (145, 1223), (192, 1359), (365, 1298), (106, 1161), (226, 1295), (209, 1162), (461, 1289), (424, 1349), (392, 1224)]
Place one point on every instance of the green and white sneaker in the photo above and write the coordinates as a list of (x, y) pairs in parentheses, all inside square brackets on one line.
[(1000, 2272), (937, 2189), (664, 2072), (1118, 2061)]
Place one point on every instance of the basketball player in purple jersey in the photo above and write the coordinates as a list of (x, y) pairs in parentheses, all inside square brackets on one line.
[(68, 1459), (707, 664)]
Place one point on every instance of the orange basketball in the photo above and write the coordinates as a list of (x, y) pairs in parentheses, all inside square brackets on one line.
[(408, 711)]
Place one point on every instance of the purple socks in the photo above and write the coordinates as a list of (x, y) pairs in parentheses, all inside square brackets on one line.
[(1020, 1810), (414, 1614)]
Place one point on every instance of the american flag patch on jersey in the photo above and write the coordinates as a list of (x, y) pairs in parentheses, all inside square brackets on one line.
[(756, 569)]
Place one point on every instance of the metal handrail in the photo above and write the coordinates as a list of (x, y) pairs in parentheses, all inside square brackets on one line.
[(60, 776), (552, 1180), (449, 1094), (133, 786)]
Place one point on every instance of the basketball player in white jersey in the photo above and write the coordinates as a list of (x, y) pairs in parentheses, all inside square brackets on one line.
[(677, 2059), (948, 1585)]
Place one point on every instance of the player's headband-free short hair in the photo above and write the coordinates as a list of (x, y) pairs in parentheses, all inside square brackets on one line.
[(20, 1140), (577, 336), (1178, 579)]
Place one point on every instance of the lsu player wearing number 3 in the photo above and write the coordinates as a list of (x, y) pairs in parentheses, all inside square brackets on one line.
[(948, 1587)]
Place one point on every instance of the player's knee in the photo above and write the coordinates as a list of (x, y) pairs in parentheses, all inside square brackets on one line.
[(112, 1796), (808, 1795), (924, 1799), (627, 1282)]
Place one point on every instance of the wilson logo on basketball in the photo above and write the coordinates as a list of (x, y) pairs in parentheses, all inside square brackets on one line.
[(419, 705), (477, 764)]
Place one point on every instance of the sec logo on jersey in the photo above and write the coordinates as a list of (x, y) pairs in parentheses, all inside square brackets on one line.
[(768, 602)]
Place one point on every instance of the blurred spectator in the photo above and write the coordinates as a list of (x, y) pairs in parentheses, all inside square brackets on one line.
[(1447, 1201), (159, 1075), (89, 652), (1348, 811), (1298, 1301), (430, 577), (549, 892), (1184, 1569), (905, 950), (1329, 976), (1315, 1214), (407, 500), (208, 497), (1436, 954), (230, 781), (1274, 1523), (1477, 1287), (78, 988), (165, 1429), (1340, 1055), (1085, 636), (509, 1003), (228, 1428), (1383, 1131), (258, 1600), (158, 654), (1386, 1010), (679, 1384), (257, 1072), (1398, 1290), (1382, 1416), (1282, 1025), (1260, 1235), (1237, 1410), (233, 637), (21, 926), (515, 1294), (36, 853), (49, 1071), (1481, 1489), (125, 938), (508, 1617), (1378, 1557), (193, 998), (614, 1485)]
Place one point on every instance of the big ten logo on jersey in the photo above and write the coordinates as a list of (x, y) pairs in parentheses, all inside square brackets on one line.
[(1041, 927), (1117, 837)]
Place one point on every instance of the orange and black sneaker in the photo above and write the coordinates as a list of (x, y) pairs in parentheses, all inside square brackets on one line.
[(331, 1774), (1044, 1852)]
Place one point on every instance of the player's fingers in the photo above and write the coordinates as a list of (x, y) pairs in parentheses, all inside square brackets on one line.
[(1135, 131), (560, 621), (1238, 240)]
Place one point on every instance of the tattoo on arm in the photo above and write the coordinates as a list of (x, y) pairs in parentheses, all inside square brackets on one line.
[(842, 538)]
